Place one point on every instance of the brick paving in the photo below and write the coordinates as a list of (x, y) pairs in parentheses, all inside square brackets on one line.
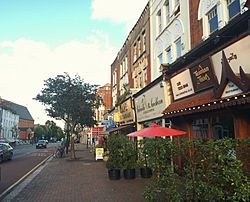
[(84, 179)]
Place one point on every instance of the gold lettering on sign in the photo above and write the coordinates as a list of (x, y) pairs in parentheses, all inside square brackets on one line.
[(201, 74)]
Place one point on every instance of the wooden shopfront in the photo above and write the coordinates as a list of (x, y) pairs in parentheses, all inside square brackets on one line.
[(211, 93)]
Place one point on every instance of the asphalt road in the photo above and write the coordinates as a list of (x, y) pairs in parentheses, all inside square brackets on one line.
[(25, 158)]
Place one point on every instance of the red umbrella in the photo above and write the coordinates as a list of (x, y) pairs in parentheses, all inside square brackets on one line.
[(156, 131)]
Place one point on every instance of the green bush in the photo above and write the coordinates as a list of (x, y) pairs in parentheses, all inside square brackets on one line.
[(129, 155), (210, 170), (115, 151)]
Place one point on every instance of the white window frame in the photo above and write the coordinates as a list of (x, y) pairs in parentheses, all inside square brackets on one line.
[(159, 21)]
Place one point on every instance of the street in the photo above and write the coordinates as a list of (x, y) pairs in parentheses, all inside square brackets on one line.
[(25, 158)]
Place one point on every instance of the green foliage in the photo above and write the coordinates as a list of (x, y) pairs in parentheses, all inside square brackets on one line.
[(210, 170), (48, 131), (69, 99), (115, 151), (129, 154)]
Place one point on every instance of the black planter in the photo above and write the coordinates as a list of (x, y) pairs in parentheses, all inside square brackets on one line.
[(146, 172), (129, 174), (114, 174)]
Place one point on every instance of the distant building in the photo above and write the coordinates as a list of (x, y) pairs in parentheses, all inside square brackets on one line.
[(104, 99), (8, 123), (25, 123)]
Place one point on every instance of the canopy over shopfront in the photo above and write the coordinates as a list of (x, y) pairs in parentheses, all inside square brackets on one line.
[(156, 131), (123, 130)]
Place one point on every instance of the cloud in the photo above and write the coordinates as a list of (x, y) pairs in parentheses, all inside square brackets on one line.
[(25, 64), (116, 11)]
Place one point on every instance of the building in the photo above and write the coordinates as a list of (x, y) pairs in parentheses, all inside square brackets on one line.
[(210, 85), (26, 122), (104, 100), (9, 121), (169, 32)]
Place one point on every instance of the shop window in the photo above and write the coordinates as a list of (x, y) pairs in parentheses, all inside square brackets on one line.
[(222, 127), (200, 128), (213, 20), (233, 8)]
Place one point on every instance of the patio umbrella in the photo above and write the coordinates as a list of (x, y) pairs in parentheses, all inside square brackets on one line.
[(156, 131)]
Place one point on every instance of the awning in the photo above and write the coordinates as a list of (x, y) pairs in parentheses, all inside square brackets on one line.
[(204, 102), (123, 127)]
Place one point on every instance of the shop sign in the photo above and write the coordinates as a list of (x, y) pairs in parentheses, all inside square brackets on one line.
[(202, 75), (182, 85), (237, 56), (230, 90), (151, 104), (99, 153), (117, 117), (126, 111)]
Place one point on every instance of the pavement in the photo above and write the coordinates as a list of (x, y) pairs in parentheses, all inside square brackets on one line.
[(83, 179)]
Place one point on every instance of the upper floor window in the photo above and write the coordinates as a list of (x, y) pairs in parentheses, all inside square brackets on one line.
[(139, 46), (167, 11), (169, 55), (135, 52), (213, 20), (145, 76), (178, 48), (159, 22), (160, 59), (233, 8), (143, 41)]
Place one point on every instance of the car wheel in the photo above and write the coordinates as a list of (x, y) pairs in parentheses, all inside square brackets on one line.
[(10, 157)]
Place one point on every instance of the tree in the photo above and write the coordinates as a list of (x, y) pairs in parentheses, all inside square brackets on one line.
[(48, 131), (71, 100)]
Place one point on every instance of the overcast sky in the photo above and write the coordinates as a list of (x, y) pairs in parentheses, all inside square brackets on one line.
[(40, 39)]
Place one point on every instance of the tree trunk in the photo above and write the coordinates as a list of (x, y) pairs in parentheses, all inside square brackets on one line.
[(72, 148), (67, 143)]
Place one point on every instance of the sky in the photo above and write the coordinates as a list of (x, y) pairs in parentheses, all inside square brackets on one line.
[(40, 39)]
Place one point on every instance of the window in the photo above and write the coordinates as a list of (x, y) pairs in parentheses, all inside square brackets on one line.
[(222, 126), (167, 11), (160, 59), (135, 52), (169, 57), (200, 128), (139, 47), (159, 23), (213, 20), (145, 76), (233, 8), (178, 48), (143, 41)]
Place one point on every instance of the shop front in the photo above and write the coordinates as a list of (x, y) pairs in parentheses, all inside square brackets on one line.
[(211, 97), (125, 119), (149, 104)]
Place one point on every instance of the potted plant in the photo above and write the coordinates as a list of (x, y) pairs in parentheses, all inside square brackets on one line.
[(129, 159), (145, 170), (114, 151)]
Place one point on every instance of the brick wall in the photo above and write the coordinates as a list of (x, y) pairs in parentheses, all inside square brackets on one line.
[(195, 24)]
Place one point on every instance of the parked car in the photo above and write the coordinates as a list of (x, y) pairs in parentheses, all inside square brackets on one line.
[(6, 152), (41, 144)]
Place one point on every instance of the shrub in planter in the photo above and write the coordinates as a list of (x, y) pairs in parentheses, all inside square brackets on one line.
[(145, 171), (129, 159), (115, 156)]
